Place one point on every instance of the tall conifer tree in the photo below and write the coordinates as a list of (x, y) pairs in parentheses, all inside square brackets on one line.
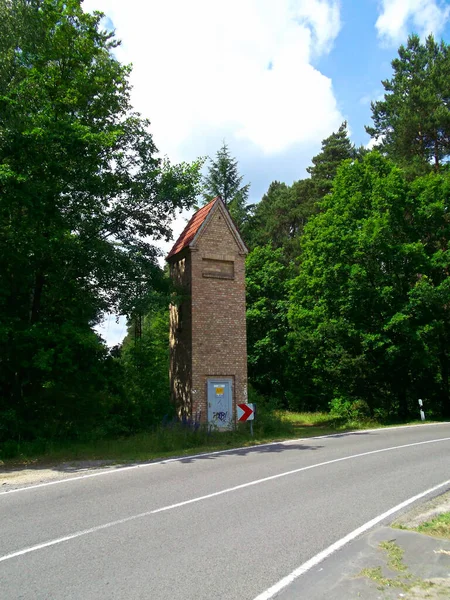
[(412, 122), (335, 148), (223, 179)]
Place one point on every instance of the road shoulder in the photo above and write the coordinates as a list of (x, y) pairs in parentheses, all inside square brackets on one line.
[(386, 563)]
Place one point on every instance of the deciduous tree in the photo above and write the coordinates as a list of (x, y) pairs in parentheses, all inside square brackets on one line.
[(370, 306), (268, 274), (82, 189)]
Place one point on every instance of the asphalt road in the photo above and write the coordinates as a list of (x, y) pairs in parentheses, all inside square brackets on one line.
[(225, 526)]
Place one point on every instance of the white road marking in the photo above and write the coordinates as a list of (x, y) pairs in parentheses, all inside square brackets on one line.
[(83, 532), (321, 556), (114, 470)]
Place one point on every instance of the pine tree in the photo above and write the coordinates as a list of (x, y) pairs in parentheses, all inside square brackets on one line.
[(223, 180), (284, 210), (280, 216), (412, 123), (335, 148)]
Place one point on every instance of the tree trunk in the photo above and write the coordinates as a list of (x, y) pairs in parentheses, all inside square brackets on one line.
[(36, 296), (402, 403)]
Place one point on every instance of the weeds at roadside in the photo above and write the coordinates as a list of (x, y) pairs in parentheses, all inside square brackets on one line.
[(404, 579), (437, 527), (178, 439)]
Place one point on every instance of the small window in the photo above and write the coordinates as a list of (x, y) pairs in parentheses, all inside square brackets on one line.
[(220, 269)]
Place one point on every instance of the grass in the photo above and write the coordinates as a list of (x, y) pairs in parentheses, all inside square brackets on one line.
[(375, 574), (404, 579), (394, 556), (304, 420), (175, 440), (437, 527), (394, 559)]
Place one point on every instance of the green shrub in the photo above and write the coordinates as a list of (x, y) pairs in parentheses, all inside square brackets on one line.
[(349, 409)]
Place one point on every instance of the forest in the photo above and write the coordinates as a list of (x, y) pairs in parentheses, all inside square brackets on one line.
[(348, 289)]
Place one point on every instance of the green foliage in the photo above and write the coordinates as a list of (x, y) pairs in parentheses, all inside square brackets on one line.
[(81, 190), (145, 362), (348, 289), (176, 439), (412, 122), (369, 308), (437, 527), (268, 273), (223, 180), (349, 409), (281, 215), (283, 211), (335, 149)]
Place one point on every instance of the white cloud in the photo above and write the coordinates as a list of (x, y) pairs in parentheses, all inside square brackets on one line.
[(242, 70), (323, 17), (422, 16), (372, 143), (204, 65), (178, 225)]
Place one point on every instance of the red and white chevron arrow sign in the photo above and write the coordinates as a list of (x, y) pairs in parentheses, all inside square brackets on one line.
[(245, 412)]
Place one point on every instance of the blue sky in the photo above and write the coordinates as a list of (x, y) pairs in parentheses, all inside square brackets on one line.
[(271, 77), (360, 59)]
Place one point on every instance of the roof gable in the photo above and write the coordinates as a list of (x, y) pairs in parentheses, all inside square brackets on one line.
[(198, 221), (191, 229)]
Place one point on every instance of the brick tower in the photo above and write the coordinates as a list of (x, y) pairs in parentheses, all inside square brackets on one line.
[(208, 346)]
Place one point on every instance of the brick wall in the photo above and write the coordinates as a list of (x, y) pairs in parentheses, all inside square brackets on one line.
[(211, 341), (180, 338), (219, 343)]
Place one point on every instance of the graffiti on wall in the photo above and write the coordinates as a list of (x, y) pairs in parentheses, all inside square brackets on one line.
[(220, 416)]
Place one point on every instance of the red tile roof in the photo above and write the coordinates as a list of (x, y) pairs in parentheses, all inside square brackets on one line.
[(191, 229)]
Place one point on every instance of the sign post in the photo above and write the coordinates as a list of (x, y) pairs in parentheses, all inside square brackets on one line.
[(246, 412), (422, 414)]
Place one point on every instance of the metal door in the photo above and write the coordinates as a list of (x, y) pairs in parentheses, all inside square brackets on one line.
[(220, 403)]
